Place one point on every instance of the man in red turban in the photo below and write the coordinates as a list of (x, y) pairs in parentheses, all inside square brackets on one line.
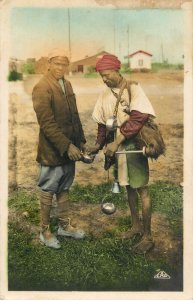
[(133, 111), (108, 62)]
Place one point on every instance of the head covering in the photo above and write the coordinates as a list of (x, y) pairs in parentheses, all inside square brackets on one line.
[(57, 52), (108, 62)]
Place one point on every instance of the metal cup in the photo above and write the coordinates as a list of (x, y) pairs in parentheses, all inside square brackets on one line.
[(108, 208), (86, 158)]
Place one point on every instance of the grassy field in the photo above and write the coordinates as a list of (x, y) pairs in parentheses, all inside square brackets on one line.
[(98, 263)]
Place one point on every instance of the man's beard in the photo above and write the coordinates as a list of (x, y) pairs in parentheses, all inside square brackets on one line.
[(111, 84)]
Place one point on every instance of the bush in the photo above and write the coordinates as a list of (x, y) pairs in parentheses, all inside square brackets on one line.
[(180, 67), (166, 66), (91, 75), (144, 70), (91, 69), (125, 69), (91, 72), (28, 68), (14, 76)]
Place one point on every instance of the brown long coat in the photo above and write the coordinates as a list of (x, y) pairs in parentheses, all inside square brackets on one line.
[(58, 118)]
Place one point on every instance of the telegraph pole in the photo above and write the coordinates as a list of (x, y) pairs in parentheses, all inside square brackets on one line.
[(114, 30), (128, 38), (128, 43), (162, 52), (69, 35), (120, 50), (146, 44)]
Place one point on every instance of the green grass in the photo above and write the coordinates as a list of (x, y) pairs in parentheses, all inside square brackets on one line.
[(95, 194), (94, 264), (166, 66), (24, 201), (91, 75), (167, 199)]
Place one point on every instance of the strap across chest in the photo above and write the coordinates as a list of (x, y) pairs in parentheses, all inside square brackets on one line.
[(125, 85)]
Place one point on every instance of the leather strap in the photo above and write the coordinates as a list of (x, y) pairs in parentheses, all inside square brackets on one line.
[(125, 84)]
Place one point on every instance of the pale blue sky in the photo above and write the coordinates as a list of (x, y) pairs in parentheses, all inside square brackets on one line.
[(34, 31)]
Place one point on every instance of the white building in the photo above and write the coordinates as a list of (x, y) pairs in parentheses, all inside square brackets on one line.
[(140, 60)]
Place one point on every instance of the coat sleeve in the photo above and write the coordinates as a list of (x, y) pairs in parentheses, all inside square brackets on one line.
[(83, 139), (101, 135), (136, 121), (82, 136), (41, 98)]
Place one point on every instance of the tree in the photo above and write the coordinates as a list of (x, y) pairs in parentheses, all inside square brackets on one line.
[(14, 76), (28, 68)]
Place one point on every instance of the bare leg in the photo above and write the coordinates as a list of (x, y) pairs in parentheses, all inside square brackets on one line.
[(146, 210), (133, 205), (146, 242)]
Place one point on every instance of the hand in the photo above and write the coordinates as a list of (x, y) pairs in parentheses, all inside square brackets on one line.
[(111, 149), (83, 147), (74, 153), (93, 150)]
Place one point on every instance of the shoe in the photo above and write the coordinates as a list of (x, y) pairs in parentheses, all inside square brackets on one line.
[(66, 229), (145, 245), (48, 239)]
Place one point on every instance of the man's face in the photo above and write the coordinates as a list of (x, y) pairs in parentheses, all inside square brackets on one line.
[(58, 66), (110, 77)]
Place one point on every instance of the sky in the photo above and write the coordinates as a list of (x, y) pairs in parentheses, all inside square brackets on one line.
[(34, 31)]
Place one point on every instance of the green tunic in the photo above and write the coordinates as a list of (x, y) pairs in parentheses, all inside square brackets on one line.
[(137, 165)]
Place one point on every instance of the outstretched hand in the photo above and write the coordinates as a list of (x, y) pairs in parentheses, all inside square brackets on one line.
[(93, 150)]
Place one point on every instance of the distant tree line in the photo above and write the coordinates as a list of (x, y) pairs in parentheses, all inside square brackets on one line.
[(27, 68)]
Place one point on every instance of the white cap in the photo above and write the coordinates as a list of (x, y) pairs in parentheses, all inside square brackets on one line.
[(57, 52)]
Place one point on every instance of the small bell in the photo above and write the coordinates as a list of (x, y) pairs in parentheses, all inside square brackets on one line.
[(116, 188)]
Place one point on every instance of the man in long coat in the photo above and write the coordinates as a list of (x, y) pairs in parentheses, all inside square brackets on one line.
[(133, 111), (61, 139)]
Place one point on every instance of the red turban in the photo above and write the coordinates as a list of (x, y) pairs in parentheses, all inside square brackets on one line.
[(108, 62)]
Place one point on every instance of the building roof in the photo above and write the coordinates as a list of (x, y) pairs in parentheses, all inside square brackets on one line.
[(140, 51), (90, 60)]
